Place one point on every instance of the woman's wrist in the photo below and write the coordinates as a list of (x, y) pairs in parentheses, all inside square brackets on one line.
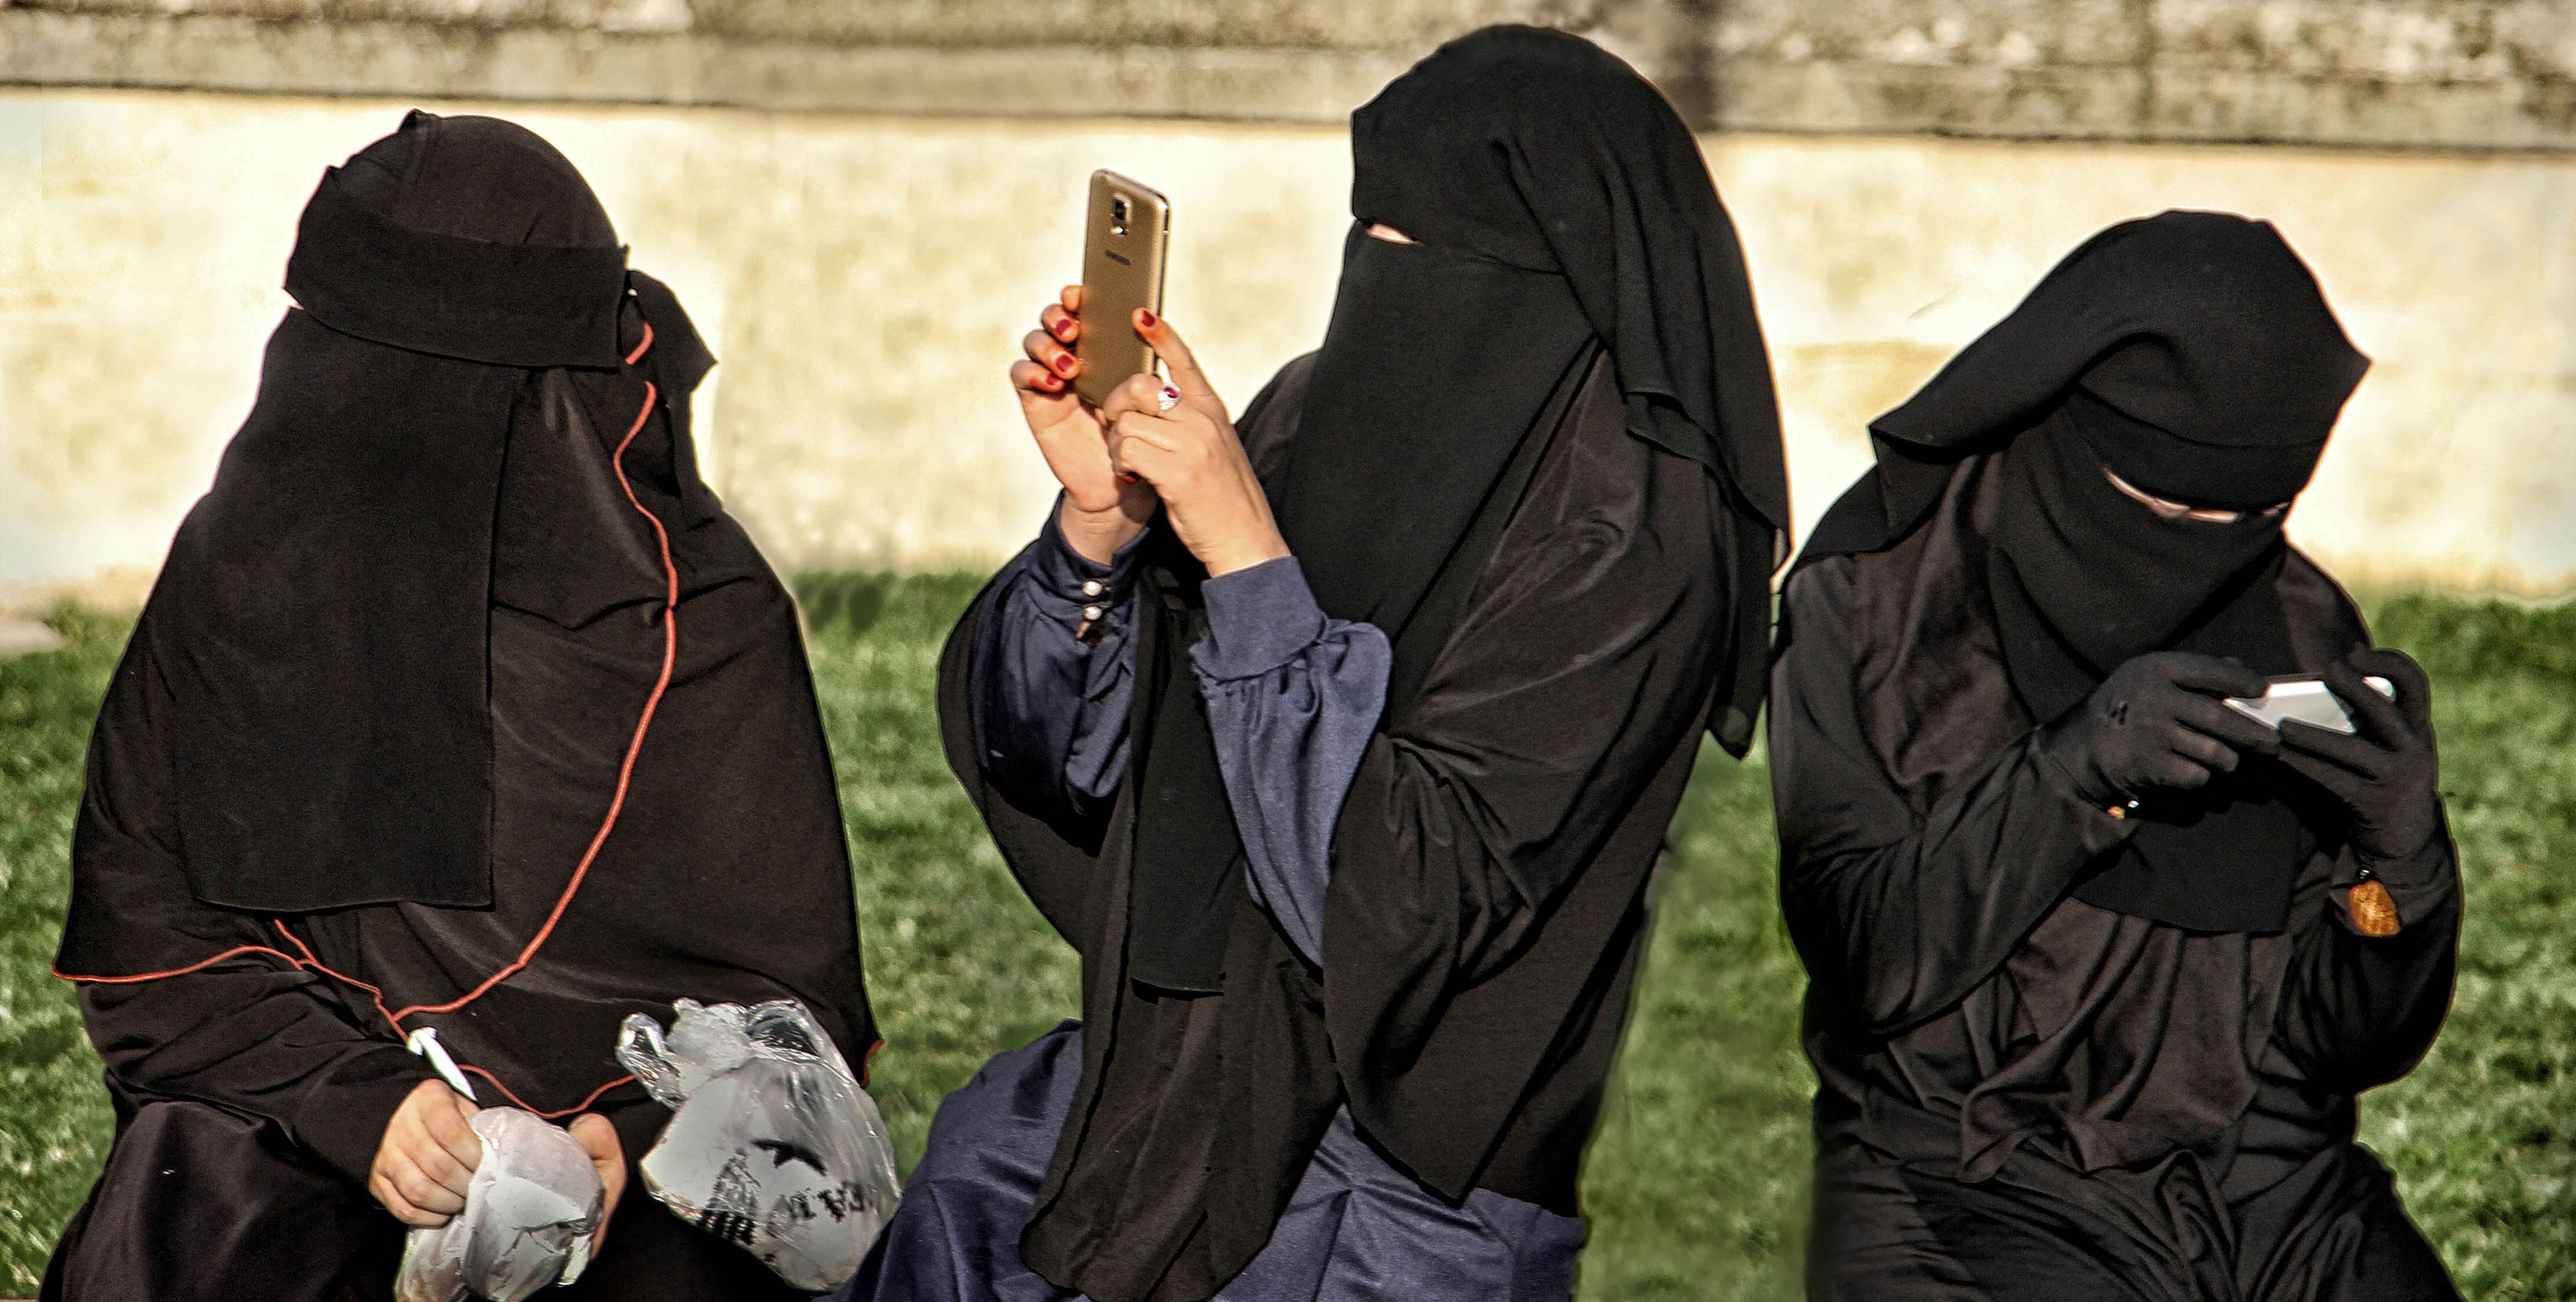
[(1096, 536), (1243, 554)]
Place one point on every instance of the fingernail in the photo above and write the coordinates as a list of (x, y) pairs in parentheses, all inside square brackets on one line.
[(1064, 328), (1050, 382), (1126, 479), (1064, 363), (1146, 317)]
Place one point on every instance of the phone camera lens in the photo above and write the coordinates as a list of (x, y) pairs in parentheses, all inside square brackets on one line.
[(1118, 215)]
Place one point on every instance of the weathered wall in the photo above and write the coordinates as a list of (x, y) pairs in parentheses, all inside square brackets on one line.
[(865, 279), (2471, 74)]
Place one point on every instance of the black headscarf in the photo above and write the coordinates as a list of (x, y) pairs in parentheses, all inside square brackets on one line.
[(327, 598), (1559, 208), (1557, 199), (2192, 355)]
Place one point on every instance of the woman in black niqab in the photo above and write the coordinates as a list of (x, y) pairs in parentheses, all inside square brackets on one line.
[(2097, 964), (1351, 816), (457, 642)]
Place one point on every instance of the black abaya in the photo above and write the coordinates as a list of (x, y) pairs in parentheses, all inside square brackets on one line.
[(2023, 1095), (251, 1093)]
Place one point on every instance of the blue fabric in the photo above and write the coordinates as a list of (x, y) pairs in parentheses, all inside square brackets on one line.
[(1356, 1230), (1292, 697), (1053, 686)]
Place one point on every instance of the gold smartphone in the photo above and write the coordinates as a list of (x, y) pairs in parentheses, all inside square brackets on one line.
[(1124, 242)]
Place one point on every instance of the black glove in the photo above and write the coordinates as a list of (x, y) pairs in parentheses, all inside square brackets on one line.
[(2385, 773), (2160, 721)]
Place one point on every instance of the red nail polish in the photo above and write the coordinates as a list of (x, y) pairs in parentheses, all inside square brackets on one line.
[(1146, 317), (1065, 363)]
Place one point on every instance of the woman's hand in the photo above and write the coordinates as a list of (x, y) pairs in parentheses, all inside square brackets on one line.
[(1192, 459), (608, 1157), (1100, 513), (427, 1155), (2387, 771)]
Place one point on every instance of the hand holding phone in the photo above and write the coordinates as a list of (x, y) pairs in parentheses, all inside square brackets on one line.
[(1101, 511), (1178, 440), (1085, 347), (1126, 242), (2307, 700), (2157, 723), (2383, 767)]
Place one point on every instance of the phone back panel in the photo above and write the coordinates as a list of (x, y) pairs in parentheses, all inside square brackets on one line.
[(1125, 240)]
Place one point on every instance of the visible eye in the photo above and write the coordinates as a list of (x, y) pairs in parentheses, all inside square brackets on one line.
[(2166, 508)]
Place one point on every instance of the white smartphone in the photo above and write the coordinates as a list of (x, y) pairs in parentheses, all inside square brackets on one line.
[(2307, 700)]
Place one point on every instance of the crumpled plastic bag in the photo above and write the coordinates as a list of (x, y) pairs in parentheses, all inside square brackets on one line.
[(773, 1145), (531, 1210)]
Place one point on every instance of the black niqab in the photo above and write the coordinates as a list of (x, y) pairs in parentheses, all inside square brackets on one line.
[(1559, 207), (329, 594), (1533, 150), (2193, 355), (464, 237)]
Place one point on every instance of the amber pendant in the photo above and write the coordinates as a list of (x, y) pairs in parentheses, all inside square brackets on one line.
[(2373, 912)]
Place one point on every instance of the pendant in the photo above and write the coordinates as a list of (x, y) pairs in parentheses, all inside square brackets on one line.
[(2373, 912)]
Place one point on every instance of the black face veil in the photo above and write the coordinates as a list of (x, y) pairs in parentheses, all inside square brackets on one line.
[(1559, 208), (1556, 200), (2193, 356), (329, 594)]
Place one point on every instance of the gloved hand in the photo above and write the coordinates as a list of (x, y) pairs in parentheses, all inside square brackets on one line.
[(2160, 721), (2386, 772)]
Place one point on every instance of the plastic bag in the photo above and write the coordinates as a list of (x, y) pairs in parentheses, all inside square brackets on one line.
[(773, 1145), (531, 1210)]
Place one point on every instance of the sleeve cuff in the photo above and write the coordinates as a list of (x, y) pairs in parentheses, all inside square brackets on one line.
[(1075, 580), (2419, 884), (343, 1119), (1258, 619), (2096, 823)]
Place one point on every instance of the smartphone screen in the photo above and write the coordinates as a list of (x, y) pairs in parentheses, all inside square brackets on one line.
[(2307, 700), (1125, 239)]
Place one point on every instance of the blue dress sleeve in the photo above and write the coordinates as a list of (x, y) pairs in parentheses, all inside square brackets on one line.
[(1053, 675), (1292, 699)]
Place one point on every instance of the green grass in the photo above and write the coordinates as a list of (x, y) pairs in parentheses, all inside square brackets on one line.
[(1696, 1184)]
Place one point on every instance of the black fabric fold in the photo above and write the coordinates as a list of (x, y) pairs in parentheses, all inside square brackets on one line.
[(1189, 858)]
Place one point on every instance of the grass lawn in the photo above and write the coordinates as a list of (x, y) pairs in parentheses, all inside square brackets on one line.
[(1696, 1183)]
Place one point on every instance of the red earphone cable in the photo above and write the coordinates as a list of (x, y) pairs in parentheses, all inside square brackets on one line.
[(581, 871)]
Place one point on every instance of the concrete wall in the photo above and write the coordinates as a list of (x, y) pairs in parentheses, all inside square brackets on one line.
[(863, 200), (865, 279), (2466, 74)]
